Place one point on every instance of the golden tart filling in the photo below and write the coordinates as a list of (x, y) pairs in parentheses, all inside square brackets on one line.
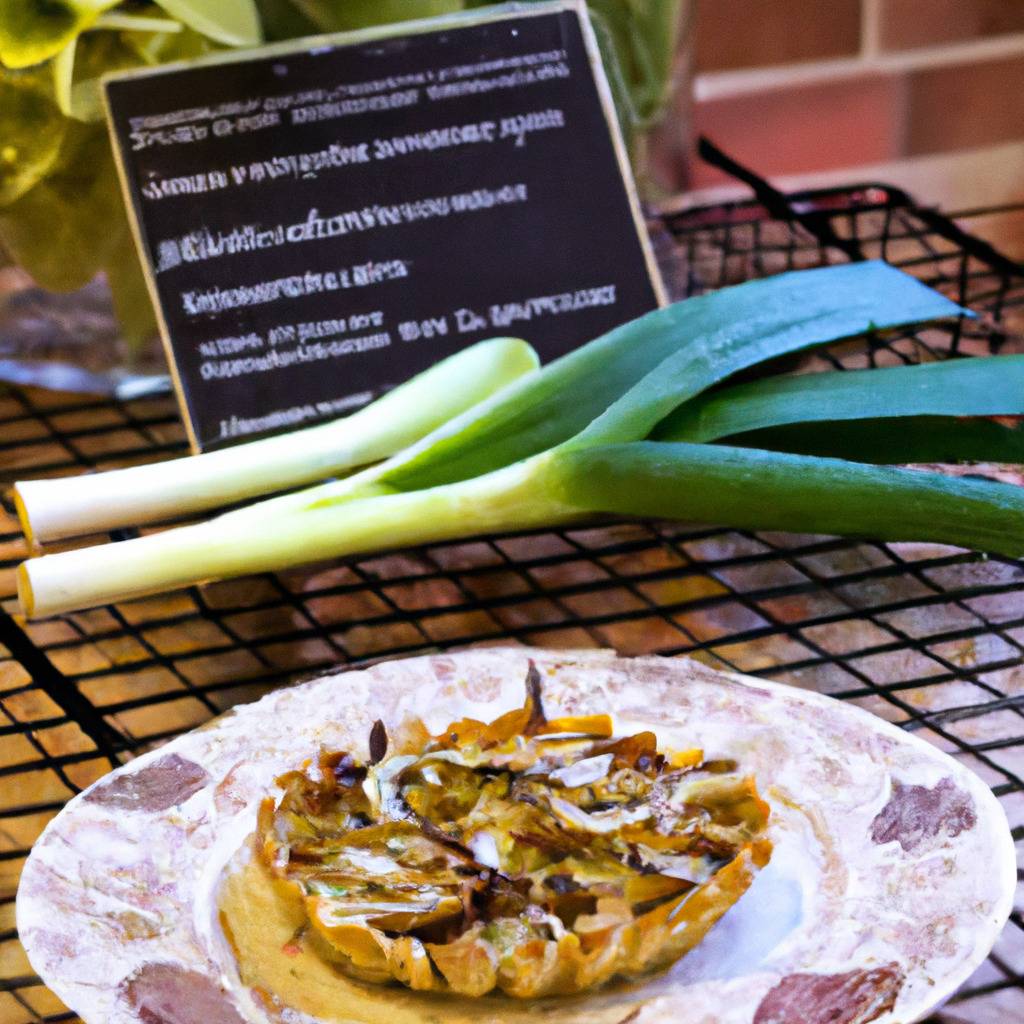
[(532, 856)]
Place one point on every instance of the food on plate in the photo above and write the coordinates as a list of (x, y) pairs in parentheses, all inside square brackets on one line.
[(536, 857)]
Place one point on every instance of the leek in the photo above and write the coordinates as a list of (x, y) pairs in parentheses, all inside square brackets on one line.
[(67, 507), (521, 458), (956, 387), (734, 487), (621, 384)]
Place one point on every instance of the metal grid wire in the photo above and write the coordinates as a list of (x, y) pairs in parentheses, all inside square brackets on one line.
[(927, 636)]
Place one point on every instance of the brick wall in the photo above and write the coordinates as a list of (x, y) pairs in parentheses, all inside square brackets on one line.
[(801, 85)]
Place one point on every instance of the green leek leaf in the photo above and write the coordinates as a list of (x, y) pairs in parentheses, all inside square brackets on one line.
[(802, 311), (618, 387), (954, 387), (751, 489)]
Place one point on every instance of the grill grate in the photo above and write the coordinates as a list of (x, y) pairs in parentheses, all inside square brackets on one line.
[(927, 636)]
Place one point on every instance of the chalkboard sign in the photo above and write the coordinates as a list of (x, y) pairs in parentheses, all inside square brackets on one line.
[(322, 219)]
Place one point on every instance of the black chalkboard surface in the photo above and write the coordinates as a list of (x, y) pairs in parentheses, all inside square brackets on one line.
[(323, 220)]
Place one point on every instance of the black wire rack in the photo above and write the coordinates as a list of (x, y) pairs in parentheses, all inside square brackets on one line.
[(927, 636)]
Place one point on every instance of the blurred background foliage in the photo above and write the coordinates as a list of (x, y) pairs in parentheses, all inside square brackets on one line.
[(62, 218)]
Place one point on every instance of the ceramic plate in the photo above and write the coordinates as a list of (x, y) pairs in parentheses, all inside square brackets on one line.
[(892, 875)]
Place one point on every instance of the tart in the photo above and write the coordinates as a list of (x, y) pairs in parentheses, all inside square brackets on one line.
[(531, 856)]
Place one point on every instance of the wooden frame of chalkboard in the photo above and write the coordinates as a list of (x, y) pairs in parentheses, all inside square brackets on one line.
[(554, 250)]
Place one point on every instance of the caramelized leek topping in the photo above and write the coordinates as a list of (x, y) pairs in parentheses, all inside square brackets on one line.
[(531, 856)]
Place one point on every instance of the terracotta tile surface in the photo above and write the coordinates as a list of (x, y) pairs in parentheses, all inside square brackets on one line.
[(756, 33), (910, 23)]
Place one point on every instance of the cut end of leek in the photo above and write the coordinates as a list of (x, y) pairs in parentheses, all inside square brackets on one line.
[(23, 517), (26, 596)]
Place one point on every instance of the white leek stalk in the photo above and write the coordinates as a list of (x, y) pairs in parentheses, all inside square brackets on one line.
[(234, 545), (74, 506)]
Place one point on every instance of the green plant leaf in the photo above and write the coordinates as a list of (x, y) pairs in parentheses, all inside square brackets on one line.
[(231, 22), (162, 47), (991, 386), (638, 40), (803, 310), (621, 385), (63, 66), (752, 489), (612, 59), (32, 31), (80, 66), (128, 290), (127, 21), (644, 35), (60, 231), (31, 132), (74, 225), (282, 19), (346, 15)]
